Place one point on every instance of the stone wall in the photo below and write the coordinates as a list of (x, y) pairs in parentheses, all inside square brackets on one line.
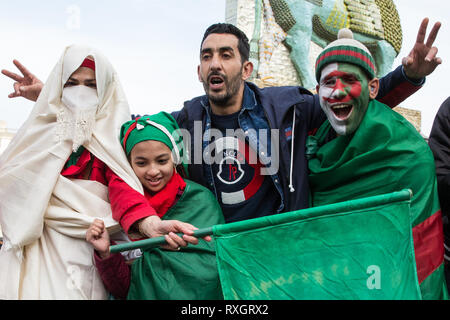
[(413, 116)]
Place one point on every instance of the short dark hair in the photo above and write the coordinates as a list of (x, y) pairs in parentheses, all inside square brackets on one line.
[(243, 45)]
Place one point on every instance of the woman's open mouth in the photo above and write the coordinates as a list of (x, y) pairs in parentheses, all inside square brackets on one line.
[(342, 111)]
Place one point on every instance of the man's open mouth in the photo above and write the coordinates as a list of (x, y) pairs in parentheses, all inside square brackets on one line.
[(342, 111), (216, 82)]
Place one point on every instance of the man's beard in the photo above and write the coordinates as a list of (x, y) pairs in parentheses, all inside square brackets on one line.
[(232, 86), (76, 126)]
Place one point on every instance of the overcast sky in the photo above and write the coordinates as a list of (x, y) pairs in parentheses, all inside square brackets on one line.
[(154, 47)]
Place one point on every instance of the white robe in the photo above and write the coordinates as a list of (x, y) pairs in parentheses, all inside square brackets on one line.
[(43, 215)]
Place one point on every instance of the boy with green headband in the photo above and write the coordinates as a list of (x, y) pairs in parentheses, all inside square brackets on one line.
[(154, 147), (366, 149)]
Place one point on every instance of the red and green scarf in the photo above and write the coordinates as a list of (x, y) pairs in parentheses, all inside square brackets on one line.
[(166, 197)]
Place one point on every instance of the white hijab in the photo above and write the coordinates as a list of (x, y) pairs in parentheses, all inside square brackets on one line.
[(39, 208)]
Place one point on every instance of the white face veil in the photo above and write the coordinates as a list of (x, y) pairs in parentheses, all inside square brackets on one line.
[(37, 204), (77, 119)]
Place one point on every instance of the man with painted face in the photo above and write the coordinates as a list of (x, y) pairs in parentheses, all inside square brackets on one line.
[(364, 149)]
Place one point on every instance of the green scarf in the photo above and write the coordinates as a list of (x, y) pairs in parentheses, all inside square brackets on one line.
[(189, 274), (384, 155), (74, 157)]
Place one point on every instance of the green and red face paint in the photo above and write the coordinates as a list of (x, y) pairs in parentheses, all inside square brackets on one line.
[(344, 96)]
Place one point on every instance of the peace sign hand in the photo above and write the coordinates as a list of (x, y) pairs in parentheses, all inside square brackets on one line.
[(422, 59), (27, 86)]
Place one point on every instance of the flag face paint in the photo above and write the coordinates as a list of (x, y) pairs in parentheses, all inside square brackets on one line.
[(344, 96)]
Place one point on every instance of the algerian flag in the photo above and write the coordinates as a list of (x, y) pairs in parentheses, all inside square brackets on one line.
[(360, 249)]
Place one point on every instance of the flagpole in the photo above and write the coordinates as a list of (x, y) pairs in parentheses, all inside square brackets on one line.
[(155, 242)]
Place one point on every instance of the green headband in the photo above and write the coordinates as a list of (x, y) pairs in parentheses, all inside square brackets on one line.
[(160, 127)]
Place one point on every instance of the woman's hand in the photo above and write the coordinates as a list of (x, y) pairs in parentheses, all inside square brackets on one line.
[(27, 86)]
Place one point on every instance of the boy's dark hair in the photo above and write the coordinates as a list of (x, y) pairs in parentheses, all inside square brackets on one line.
[(243, 45)]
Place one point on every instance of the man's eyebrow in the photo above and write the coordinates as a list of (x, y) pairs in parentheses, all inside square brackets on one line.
[(327, 77), (206, 50), (221, 49), (336, 73)]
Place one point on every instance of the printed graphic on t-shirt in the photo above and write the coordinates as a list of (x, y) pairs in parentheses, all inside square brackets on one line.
[(237, 170)]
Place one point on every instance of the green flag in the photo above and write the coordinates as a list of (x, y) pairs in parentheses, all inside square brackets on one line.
[(359, 249)]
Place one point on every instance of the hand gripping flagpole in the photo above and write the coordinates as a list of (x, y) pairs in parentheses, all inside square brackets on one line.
[(155, 242)]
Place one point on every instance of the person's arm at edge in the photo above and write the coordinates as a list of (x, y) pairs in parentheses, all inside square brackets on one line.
[(115, 274), (439, 143)]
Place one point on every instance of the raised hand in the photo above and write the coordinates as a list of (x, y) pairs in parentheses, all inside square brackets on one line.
[(98, 236), (27, 85), (422, 59)]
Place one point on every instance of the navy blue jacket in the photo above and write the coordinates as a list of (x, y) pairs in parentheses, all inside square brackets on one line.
[(278, 104), (439, 143)]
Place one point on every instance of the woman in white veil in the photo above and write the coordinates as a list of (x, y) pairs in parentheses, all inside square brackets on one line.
[(43, 214)]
